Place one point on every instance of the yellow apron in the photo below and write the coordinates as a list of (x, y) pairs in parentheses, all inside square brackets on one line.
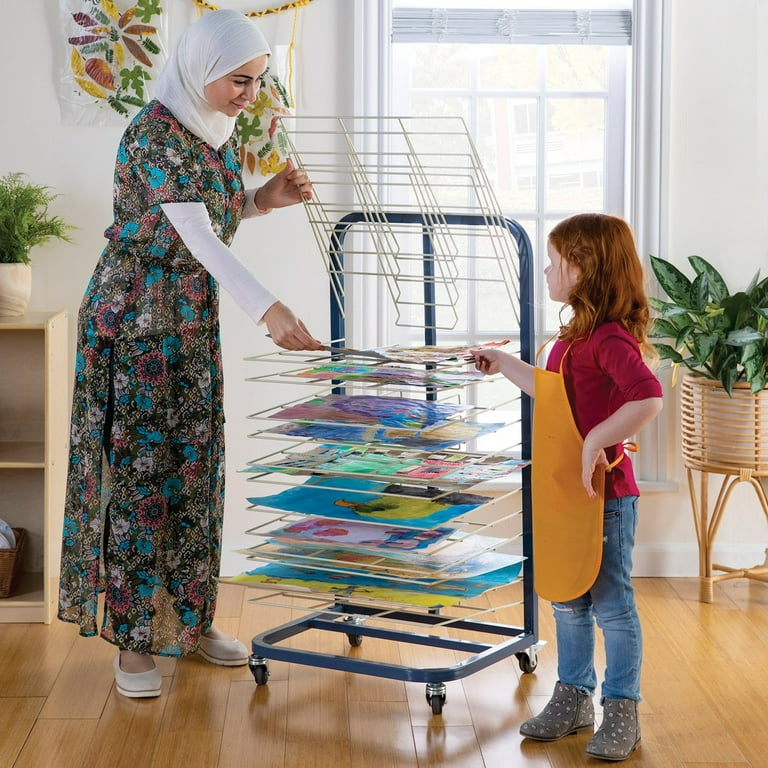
[(567, 523)]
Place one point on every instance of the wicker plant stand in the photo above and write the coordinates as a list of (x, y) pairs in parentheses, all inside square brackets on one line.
[(728, 436)]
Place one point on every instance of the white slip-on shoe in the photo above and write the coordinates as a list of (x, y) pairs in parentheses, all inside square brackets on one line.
[(227, 653), (137, 685)]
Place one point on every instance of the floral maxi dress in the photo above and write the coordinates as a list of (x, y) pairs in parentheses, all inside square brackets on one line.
[(145, 489)]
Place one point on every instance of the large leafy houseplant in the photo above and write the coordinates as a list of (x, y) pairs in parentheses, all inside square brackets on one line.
[(25, 220), (713, 332)]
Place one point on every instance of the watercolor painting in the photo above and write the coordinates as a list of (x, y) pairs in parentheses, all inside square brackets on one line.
[(351, 459), (434, 438), (351, 498), (362, 535), (433, 354), (391, 374), (453, 559), (437, 594), (397, 412), (442, 467)]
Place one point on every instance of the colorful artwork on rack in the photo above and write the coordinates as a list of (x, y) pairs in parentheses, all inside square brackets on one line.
[(390, 374), (433, 354), (458, 559), (348, 459), (438, 593), (366, 409), (362, 535), (447, 468), (352, 498), (472, 473), (435, 438)]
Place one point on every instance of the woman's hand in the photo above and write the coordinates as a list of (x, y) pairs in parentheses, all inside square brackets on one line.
[(290, 186), (286, 330)]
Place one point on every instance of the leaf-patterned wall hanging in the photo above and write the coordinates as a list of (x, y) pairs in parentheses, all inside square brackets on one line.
[(263, 143), (114, 48)]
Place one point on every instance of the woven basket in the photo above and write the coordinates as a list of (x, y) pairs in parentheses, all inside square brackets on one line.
[(10, 564), (722, 433)]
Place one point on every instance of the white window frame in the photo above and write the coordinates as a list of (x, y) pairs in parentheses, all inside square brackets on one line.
[(646, 192)]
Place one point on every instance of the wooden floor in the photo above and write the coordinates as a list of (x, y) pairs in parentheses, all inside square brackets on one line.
[(705, 702)]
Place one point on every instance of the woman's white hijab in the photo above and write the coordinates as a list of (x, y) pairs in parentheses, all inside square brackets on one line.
[(212, 47)]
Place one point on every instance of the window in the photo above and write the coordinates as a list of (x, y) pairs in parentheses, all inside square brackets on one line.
[(544, 96), (565, 102)]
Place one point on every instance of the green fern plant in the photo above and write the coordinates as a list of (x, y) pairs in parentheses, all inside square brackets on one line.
[(24, 218), (716, 333)]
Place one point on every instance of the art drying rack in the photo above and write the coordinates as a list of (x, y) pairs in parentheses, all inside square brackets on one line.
[(418, 233)]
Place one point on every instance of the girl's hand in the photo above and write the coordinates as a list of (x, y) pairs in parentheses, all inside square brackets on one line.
[(486, 361), (286, 330), (290, 186), (591, 459)]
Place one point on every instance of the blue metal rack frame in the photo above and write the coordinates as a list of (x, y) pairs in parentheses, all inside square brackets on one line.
[(347, 616)]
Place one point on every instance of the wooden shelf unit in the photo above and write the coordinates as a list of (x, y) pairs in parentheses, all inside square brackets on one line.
[(34, 433)]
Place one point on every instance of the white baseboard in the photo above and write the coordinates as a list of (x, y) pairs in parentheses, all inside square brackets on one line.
[(681, 559)]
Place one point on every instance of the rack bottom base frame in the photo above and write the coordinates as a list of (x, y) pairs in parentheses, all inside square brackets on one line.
[(349, 619)]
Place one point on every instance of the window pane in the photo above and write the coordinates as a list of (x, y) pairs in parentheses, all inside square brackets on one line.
[(576, 67), (575, 154), (438, 66), (439, 106), (505, 66), (506, 140), (539, 117)]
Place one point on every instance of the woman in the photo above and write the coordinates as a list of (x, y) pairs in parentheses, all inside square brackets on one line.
[(146, 529)]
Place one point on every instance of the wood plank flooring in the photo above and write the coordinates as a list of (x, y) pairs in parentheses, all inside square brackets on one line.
[(705, 691)]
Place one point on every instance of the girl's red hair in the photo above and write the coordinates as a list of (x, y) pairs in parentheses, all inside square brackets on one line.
[(611, 287)]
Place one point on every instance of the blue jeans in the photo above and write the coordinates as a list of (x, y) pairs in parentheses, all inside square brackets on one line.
[(611, 602)]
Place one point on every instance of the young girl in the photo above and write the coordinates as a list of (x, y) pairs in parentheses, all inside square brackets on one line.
[(595, 270)]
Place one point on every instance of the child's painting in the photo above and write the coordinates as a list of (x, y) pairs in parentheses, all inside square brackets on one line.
[(441, 467), (436, 594), (362, 535), (433, 354), (452, 559), (391, 374), (434, 438), (398, 412), (351, 498)]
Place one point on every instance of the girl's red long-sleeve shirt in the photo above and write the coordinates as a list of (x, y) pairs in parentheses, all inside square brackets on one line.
[(602, 373)]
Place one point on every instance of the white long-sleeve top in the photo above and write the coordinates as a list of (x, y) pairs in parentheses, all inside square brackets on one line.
[(193, 224)]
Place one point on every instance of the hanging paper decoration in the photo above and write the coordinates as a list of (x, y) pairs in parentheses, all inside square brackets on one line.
[(114, 49), (263, 142), (202, 5)]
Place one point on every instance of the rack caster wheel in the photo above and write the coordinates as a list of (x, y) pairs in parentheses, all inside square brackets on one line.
[(259, 669), (436, 697), (354, 640), (527, 660)]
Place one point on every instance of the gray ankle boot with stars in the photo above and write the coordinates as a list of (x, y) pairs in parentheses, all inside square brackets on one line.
[(568, 711), (619, 734)]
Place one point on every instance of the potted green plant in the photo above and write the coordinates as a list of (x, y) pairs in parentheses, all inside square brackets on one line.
[(721, 338), (717, 334), (25, 222)]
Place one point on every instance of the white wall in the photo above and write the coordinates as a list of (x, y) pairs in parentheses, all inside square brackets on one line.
[(718, 197), (717, 202)]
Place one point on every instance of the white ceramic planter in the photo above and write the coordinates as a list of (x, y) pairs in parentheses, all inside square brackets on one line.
[(15, 289)]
